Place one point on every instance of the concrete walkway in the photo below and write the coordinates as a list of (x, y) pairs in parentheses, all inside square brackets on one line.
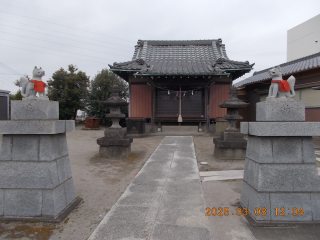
[(164, 201)]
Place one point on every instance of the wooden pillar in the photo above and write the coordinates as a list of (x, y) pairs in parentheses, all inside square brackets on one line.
[(208, 106), (153, 104), (129, 109)]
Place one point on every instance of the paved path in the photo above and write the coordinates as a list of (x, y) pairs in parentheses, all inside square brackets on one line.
[(164, 201)]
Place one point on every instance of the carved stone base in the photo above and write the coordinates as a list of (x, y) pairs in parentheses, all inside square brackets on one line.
[(115, 152)]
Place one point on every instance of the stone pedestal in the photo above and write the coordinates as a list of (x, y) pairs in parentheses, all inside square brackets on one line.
[(281, 183), (230, 145), (36, 181), (115, 144)]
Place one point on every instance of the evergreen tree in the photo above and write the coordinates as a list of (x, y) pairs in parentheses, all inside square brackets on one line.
[(99, 91), (69, 88)]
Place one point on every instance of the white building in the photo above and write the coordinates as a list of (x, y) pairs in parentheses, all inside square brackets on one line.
[(303, 40)]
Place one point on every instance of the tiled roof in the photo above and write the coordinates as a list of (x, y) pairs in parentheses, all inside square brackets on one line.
[(198, 57), (298, 65)]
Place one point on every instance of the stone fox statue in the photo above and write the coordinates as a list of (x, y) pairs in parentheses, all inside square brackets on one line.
[(281, 88), (31, 87)]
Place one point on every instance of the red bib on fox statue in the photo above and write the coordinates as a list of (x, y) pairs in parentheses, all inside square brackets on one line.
[(283, 84), (39, 85)]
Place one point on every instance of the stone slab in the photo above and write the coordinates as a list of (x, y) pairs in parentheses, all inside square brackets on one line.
[(280, 111), (69, 190), (6, 147), (220, 143), (281, 149), (25, 148), (176, 210), (35, 126), (289, 201), (157, 178), (52, 146), (184, 188), (223, 153), (281, 129), (31, 109), (23, 174), (282, 177), (64, 170), (167, 231), (21, 202), (115, 151), (232, 136), (1, 201), (315, 204), (54, 201)]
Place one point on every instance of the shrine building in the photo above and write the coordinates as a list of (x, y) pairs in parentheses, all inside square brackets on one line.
[(179, 81)]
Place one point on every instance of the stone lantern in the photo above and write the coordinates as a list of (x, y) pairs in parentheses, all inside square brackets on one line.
[(231, 145), (115, 143)]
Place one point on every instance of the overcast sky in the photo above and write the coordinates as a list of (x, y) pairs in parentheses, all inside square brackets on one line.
[(93, 34)]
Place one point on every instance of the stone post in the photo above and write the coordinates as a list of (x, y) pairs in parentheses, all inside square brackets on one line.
[(281, 183), (35, 175)]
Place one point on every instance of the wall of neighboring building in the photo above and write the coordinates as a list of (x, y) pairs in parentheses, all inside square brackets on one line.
[(304, 39), (140, 102)]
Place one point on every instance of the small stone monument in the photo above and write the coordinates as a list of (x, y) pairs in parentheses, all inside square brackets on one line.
[(281, 183), (35, 175), (115, 143), (231, 145)]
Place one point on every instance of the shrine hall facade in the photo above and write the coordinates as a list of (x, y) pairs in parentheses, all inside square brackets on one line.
[(169, 78)]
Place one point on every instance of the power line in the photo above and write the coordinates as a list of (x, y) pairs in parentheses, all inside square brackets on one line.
[(63, 44), (65, 26), (63, 37), (63, 33), (53, 54), (9, 69), (55, 49)]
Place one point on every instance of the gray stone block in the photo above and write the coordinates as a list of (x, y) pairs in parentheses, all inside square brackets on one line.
[(289, 201), (53, 146), (64, 170), (251, 172), (163, 166), (286, 150), (115, 152), (70, 125), (1, 201), (255, 203), (16, 174), (244, 127), (69, 190), (184, 154), (157, 178), (184, 188), (284, 129), (315, 204), (32, 109), (184, 165), (114, 228), (32, 127), (167, 231), (307, 148), (177, 211), (6, 147), (280, 111), (259, 206), (229, 153), (286, 178), (184, 175), (54, 201), (144, 189), (21, 202), (25, 147), (185, 141), (260, 149), (140, 199)]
